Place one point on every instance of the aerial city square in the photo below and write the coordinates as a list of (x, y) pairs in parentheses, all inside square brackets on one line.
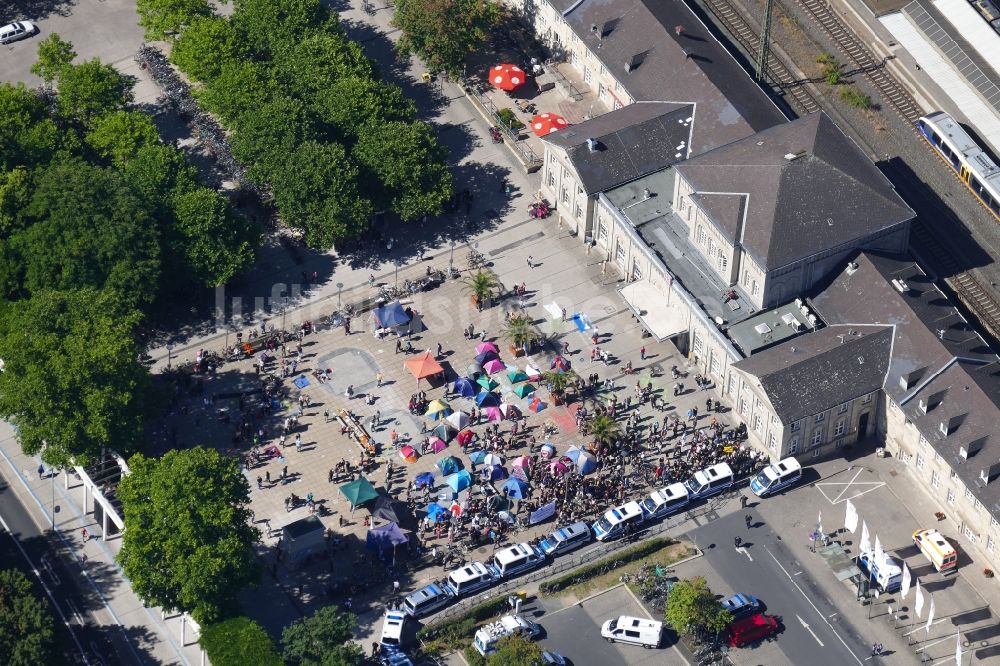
[(485, 332)]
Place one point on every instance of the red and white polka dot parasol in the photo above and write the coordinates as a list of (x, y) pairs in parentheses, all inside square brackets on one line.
[(546, 123), (506, 76)]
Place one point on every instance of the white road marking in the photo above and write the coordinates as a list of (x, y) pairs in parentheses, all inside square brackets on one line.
[(809, 629), (809, 601), (743, 550), (868, 486)]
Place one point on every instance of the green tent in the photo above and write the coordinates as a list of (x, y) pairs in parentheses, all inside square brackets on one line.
[(487, 383), (524, 389), (358, 492)]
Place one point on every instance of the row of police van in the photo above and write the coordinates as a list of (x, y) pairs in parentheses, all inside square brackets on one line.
[(520, 558)]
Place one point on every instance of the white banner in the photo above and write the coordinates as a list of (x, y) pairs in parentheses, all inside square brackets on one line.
[(851, 518), (919, 605), (930, 615), (819, 522), (905, 589), (866, 544), (879, 555), (958, 648)]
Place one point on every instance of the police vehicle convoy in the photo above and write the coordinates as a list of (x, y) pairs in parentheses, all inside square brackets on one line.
[(776, 477)]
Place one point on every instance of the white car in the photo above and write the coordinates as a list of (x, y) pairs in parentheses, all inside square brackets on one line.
[(17, 30)]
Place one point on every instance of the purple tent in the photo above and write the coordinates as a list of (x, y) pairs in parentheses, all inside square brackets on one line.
[(385, 537)]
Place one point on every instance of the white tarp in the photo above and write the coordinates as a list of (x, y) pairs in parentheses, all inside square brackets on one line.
[(664, 320)]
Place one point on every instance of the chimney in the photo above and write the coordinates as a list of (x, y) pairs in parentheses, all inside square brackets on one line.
[(852, 267), (900, 285), (990, 473), (972, 448)]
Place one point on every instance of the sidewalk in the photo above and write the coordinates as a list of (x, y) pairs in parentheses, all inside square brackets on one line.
[(152, 639)]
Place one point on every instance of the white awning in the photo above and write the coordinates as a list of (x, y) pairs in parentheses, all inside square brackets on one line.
[(660, 317)]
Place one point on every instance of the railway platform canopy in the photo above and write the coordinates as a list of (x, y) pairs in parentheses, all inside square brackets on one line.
[(956, 47)]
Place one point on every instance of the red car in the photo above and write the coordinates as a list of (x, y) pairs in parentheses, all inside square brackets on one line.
[(751, 628)]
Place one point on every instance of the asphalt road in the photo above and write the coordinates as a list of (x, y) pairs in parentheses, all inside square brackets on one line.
[(762, 569), (92, 636)]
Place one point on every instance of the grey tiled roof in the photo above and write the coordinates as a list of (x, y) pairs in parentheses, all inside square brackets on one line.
[(829, 194), (815, 372), (632, 142)]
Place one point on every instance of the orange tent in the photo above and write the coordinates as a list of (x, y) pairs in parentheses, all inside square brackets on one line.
[(423, 366)]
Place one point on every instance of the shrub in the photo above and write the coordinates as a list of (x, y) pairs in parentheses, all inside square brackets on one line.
[(238, 641), (856, 99), (599, 567), (452, 634), (510, 120)]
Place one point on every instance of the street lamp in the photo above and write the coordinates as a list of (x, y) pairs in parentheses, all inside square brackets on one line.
[(284, 309), (340, 285), (170, 348), (451, 259), (397, 273)]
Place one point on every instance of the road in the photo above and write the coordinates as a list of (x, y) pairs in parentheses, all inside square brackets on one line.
[(93, 636), (806, 637)]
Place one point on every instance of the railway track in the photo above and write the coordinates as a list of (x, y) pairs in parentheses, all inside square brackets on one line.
[(747, 37)]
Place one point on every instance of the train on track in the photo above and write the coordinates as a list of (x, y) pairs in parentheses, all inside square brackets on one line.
[(973, 165)]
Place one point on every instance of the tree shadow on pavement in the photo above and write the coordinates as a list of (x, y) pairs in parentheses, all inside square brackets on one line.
[(37, 10)]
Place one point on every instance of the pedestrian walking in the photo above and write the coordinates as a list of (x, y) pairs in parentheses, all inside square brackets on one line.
[(749, 520), (642, 353), (737, 541), (267, 477), (378, 379), (399, 345), (440, 349), (260, 483), (531, 261), (84, 535), (743, 501), (566, 348)]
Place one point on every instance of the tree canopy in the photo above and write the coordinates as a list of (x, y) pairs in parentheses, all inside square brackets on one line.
[(188, 542), (162, 18), (515, 651), (217, 245), (239, 641), (205, 45), (54, 55), (444, 32), (72, 381), (118, 136), (321, 640), (692, 606), (92, 89), (26, 625)]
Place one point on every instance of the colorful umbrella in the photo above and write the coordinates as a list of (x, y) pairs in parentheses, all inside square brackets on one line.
[(465, 437), (487, 383), (557, 468), (485, 357), (547, 450), (425, 479), (445, 431), (449, 465), (438, 445), (506, 76), (436, 407), (547, 123), (459, 481), (516, 376), (494, 366), (458, 420), (515, 488), (408, 453), (492, 459), (476, 457), (487, 399), (485, 347), (464, 387), (437, 416), (493, 414), (436, 512), (524, 390)]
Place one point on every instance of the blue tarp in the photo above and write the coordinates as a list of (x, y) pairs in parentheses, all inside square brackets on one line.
[(301, 382), (582, 322), (390, 314), (543, 513), (385, 537), (437, 513), (425, 479), (465, 387), (515, 488)]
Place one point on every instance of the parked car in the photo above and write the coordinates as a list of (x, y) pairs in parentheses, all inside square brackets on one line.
[(17, 30), (550, 658), (741, 605), (751, 628)]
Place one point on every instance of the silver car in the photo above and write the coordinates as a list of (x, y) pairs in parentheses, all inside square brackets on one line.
[(17, 30)]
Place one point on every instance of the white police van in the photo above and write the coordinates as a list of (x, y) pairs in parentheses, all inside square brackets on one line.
[(566, 539), (776, 477), (426, 600), (886, 575), (665, 501), (469, 579), (392, 629), (616, 521), (710, 481), (515, 560)]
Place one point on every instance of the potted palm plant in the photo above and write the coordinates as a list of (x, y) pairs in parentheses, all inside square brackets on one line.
[(604, 430), (558, 383), (480, 287), (521, 334)]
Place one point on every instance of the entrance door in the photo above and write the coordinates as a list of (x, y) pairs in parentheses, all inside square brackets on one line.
[(862, 426)]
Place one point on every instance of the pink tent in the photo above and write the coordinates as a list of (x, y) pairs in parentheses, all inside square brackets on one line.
[(494, 366), (493, 414), (438, 445), (523, 461), (557, 468), (486, 347)]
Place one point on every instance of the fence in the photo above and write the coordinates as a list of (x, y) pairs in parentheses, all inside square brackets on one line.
[(528, 156)]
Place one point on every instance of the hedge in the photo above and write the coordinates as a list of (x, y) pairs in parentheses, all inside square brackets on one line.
[(239, 641), (452, 634), (600, 567)]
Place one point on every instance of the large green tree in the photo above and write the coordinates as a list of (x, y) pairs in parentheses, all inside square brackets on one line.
[(26, 626), (72, 381), (118, 136), (693, 607), (157, 172), (28, 136), (164, 18), (348, 104), (54, 55), (188, 542), (409, 164), (321, 640), (241, 86), (239, 641), (205, 45), (271, 27), (92, 89), (215, 243), (316, 190), (319, 60), (444, 32), (267, 134)]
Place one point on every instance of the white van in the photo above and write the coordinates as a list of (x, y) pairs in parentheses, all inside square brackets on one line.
[(886, 575), (776, 477), (469, 579), (485, 640), (17, 30), (392, 629), (665, 501), (426, 600), (515, 560), (710, 481), (615, 521), (566, 539), (634, 631), (937, 549)]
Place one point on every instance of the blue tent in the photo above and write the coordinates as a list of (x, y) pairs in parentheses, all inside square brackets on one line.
[(464, 387), (385, 537), (459, 481), (486, 356), (515, 488), (390, 314), (487, 399), (497, 472), (425, 479), (476, 457), (573, 453), (437, 513), (449, 465), (586, 463)]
